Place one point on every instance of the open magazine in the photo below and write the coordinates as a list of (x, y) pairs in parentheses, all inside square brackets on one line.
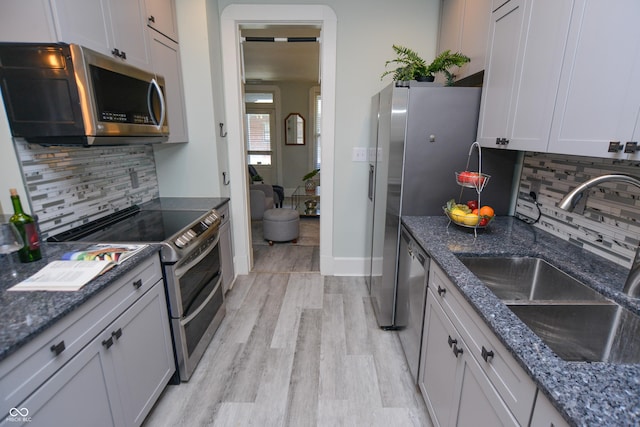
[(76, 269)]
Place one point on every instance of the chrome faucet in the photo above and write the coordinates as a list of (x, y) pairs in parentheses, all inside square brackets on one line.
[(576, 199)]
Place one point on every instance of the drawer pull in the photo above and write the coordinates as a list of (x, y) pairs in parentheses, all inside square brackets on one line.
[(58, 348), (486, 354), (441, 291), (117, 334), (451, 341), (152, 19), (137, 284), (108, 342), (456, 350)]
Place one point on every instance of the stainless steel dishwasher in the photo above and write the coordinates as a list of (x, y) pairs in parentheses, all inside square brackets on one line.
[(413, 269)]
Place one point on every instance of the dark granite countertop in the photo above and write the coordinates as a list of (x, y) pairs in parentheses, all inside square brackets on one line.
[(27, 314), (587, 394), (185, 203)]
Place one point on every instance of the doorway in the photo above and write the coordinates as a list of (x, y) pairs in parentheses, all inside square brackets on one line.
[(232, 18)]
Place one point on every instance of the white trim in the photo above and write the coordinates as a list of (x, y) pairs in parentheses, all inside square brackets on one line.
[(231, 18), (348, 266)]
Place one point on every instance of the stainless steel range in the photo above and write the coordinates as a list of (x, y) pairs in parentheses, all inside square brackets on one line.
[(191, 262)]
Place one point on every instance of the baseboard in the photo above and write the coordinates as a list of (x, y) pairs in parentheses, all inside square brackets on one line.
[(350, 267)]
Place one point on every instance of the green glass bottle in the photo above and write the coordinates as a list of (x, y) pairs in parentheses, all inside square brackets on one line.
[(27, 228)]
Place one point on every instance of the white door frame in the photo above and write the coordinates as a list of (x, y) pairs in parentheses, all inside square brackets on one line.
[(230, 20)]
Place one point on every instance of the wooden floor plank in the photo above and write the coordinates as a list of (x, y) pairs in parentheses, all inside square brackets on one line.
[(296, 349), (303, 386)]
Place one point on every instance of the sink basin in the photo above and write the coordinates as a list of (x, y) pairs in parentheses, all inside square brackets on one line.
[(528, 279), (589, 333), (576, 322)]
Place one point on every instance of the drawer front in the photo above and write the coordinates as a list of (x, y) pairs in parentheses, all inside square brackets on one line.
[(513, 384), (25, 370)]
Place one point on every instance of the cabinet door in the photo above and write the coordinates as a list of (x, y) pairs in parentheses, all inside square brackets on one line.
[(104, 26), (27, 21), (161, 17), (226, 250), (599, 95), (545, 415), (128, 20), (437, 378), (479, 400), (527, 44), (78, 394), (165, 56), (84, 22), (464, 27), (500, 72), (142, 354)]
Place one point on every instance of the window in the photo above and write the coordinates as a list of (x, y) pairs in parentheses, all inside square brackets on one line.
[(259, 122), (259, 138)]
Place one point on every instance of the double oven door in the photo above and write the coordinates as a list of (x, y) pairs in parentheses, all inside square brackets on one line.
[(194, 286)]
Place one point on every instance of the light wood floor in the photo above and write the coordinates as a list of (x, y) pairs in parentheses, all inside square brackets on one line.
[(296, 349)]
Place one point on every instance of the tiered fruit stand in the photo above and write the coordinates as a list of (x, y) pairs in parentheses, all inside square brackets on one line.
[(476, 180)]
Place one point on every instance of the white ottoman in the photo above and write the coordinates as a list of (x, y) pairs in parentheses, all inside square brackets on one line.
[(281, 225)]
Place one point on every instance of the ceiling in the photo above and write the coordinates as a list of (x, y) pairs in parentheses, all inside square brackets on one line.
[(281, 61)]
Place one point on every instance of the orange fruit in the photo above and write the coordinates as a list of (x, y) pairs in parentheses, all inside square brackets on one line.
[(487, 211)]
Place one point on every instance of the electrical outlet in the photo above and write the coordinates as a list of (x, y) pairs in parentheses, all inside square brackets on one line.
[(359, 154)]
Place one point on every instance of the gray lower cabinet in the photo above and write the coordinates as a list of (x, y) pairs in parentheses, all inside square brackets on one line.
[(226, 249), (110, 376), (465, 374)]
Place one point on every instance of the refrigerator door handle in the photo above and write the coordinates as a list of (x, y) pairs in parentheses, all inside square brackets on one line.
[(371, 177)]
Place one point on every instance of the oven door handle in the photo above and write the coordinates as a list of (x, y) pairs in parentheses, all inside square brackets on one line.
[(182, 269), (189, 318)]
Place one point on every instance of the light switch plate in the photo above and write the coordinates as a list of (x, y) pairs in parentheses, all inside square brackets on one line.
[(359, 154)]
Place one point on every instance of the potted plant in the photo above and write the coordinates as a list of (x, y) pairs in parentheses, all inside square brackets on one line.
[(410, 66), (446, 60), (309, 183), (413, 67)]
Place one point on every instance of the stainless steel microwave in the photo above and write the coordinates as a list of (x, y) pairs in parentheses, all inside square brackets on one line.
[(66, 94)]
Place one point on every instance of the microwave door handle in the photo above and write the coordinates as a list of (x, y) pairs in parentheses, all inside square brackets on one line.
[(163, 111)]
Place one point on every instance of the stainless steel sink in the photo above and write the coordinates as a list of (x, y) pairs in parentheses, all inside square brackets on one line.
[(590, 333), (528, 279), (575, 321)]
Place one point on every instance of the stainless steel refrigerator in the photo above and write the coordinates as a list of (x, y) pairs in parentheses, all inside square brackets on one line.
[(421, 135)]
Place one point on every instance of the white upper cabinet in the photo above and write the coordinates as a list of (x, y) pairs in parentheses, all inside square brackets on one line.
[(464, 28), (161, 17), (36, 27), (113, 27), (527, 40), (165, 55), (599, 94)]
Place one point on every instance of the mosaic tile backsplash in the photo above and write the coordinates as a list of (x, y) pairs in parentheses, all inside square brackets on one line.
[(70, 186), (610, 225)]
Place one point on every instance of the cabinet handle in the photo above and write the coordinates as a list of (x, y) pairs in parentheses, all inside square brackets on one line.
[(502, 141), (152, 19), (456, 350), (58, 348), (451, 341), (108, 342), (486, 354), (441, 291), (137, 284), (117, 334), (119, 54), (630, 147)]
